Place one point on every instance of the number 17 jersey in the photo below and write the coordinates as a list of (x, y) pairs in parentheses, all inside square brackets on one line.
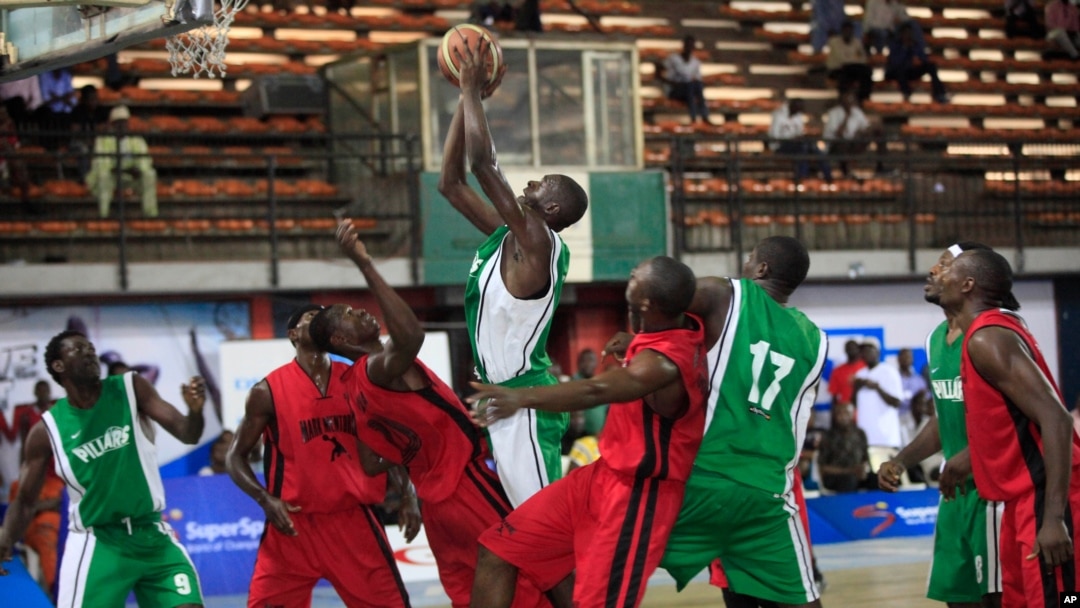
[(763, 376)]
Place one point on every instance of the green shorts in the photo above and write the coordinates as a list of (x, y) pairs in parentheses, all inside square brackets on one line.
[(758, 536), (965, 566), (103, 565)]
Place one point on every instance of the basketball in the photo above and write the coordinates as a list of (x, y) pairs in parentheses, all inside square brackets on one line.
[(461, 37)]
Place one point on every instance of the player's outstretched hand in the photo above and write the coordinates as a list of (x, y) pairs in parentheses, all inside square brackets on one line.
[(1054, 543), (409, 519), (954, 475), (493, 403), (471, 65), (194, 393), (888, 477), (277, 513), (616, 346), (350, 243)]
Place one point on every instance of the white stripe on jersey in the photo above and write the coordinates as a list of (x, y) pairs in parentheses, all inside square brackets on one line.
[(74, 568), (508, 329), (65, 472), (719, 355), (145, 447)]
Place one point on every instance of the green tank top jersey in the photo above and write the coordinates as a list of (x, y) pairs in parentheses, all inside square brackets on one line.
[(763, 377), (943, 359), (105, 458), (509, 335)]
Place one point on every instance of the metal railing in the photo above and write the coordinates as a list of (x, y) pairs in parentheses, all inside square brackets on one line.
[(729, 191)]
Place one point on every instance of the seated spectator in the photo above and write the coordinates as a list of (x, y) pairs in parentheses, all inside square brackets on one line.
[(882, 21), (1063, 26), (848, 131), (527, 17), (85, 119), (574, 431), (21, 98), (1022, 19), (136, 166), (843, 459), (54, 114), (908, 61), (826, 19), (682, 77), (217, 455), (787, 132), (846, 62), (811, 444), (13, 173), (489, 12)]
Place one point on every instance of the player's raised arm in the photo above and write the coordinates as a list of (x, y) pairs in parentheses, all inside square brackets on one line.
[(187, 429), (453, 184)]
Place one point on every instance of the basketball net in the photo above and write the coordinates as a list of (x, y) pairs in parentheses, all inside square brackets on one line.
[(202, 50)]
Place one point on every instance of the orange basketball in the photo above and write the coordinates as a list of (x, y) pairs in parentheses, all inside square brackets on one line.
[(462, 37)]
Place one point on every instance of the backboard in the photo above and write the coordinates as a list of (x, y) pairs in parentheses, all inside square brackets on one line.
[(62, 33)]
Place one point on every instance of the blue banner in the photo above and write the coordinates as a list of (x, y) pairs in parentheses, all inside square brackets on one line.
[(19, 589), (220, 526), (865, 515)]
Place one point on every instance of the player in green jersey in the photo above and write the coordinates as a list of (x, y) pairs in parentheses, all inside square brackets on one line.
[(117, 542), (965, 571), (765, 360), (514, 283)]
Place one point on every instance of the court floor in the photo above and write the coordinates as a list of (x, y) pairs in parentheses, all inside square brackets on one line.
[(887, 573)]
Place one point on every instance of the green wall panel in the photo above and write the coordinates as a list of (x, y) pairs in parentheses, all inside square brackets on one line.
[(629, 221), (450, 241)]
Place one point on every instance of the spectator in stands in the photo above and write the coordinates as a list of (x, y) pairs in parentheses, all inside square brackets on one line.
[(788, 134), (85, 119), (586, 368), (849, 132), (21, 98), (883, 19), (136, 166), (489, 12), (842, 379), (826, 19), (843, 459), (1022, 19), (915, 391), (218, 451), (13, 173), (527, 17), (1063, 26), (683, 80), (815, 432), (58, 100), (908, 61), (847, 63), (878, 388)]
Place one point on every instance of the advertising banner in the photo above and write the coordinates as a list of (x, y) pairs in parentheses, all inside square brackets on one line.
[(866, 515)]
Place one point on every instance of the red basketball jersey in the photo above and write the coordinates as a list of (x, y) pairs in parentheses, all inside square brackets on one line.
[(636, 440), (311, 456), (428, 431), (1006, 446)]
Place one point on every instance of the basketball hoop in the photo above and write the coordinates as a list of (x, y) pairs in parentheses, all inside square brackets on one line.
[(202, 49)]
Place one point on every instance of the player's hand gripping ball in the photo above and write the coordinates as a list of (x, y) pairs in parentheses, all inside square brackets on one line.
[(463, 37)]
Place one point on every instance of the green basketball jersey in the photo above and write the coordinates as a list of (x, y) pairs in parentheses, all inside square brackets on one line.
[(108, 462), (509, 335), (943, 360), (763, 377)]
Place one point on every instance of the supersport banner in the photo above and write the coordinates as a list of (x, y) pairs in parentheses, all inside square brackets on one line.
[(865, 515)]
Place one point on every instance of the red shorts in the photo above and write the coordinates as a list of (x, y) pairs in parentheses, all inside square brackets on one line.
[(611, 527), (1028, 583), (347, 548), (717, 578), (453, 526)]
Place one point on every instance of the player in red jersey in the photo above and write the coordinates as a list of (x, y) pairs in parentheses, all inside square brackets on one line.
[(610, 520), (407, 416), (1024, 450), (316, 496)]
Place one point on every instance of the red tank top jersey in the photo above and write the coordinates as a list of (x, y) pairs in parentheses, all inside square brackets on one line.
[(427, 431), (1006, 446), (311, 456), (636, 440)]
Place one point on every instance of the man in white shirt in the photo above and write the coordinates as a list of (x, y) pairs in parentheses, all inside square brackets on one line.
[(786, 134), (877, 399), (682, 77), (848, 131)]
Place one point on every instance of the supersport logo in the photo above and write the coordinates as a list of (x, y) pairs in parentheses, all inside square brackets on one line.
[(876, 510)]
